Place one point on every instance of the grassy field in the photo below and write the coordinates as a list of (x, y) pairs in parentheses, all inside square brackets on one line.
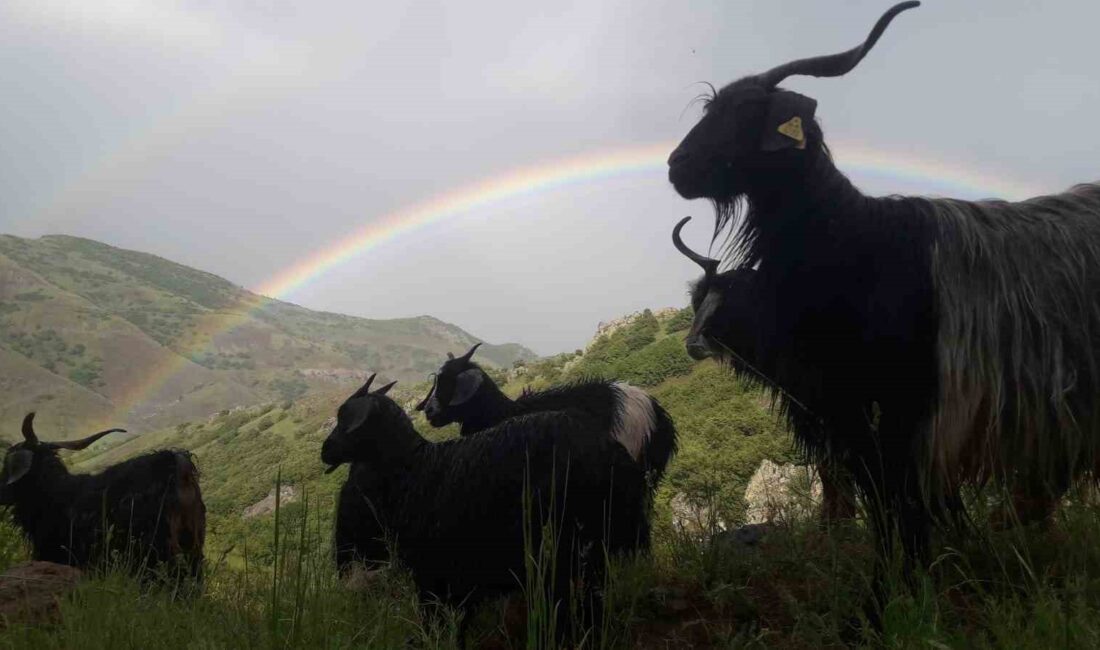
[(799, 588)]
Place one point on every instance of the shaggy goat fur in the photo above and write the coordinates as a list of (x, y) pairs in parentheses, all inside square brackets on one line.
[(941, 341), (627, 413), (148, 510), (456, 508), (725, 326)]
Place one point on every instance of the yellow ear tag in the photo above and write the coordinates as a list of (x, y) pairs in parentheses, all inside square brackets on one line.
[(792, 128)]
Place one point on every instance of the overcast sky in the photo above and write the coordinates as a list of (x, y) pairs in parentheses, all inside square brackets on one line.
[(239, 140)]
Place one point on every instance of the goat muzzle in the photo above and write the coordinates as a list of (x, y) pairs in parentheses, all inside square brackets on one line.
[(697, 349)]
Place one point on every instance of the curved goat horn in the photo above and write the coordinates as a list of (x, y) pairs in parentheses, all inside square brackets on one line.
[(77, 445), (28, 429), (709, 265), (834, 65), (466, 357)]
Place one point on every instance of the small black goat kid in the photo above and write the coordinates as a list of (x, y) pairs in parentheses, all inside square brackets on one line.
[(461, 510), (462, 392), (148, 510), (941, 341)]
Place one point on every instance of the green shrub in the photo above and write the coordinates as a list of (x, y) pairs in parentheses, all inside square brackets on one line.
[(680, 321), (655, 363)]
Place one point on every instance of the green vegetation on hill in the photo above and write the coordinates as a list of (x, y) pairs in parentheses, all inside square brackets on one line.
[(110, 321), (271, 582)]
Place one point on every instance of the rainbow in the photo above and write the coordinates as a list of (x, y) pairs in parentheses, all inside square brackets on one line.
[(854, 159), (858, 161)]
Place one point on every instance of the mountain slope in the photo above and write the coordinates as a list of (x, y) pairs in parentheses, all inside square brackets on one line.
[(157, 343)]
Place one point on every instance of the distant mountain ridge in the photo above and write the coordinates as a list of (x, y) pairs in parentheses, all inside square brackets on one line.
[(88, 331)]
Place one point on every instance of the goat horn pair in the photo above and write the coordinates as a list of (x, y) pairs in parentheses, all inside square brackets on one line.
[(72, 445), (365, 388), (710, 266), (834, 65)]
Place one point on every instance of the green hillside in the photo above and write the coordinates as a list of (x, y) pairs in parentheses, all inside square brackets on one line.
[(271, 584), (127, 334), (241, 450)]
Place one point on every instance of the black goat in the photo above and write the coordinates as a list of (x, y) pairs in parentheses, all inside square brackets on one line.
[(359, 536), (462, 392), (941, 341), (457, 508), (726, 327), (148, 510)]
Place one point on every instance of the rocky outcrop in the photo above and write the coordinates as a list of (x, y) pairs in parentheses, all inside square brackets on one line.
[(612, 325), (782, 493)]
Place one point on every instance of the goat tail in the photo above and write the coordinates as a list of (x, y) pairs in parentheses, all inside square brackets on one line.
[(645, 430)]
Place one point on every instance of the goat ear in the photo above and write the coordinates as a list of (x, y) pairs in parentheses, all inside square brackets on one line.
[(17, 464), (359, 420), (785, 125), (466, 385)]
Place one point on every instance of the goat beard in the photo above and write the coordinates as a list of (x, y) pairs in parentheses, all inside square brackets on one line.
[(729, 216)]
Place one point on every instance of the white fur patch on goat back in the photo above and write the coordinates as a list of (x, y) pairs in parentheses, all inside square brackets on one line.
[(636, 419)]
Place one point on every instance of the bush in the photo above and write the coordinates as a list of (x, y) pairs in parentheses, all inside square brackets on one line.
[(289, 388), (641, 332), (680, 321), (655, 363)]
